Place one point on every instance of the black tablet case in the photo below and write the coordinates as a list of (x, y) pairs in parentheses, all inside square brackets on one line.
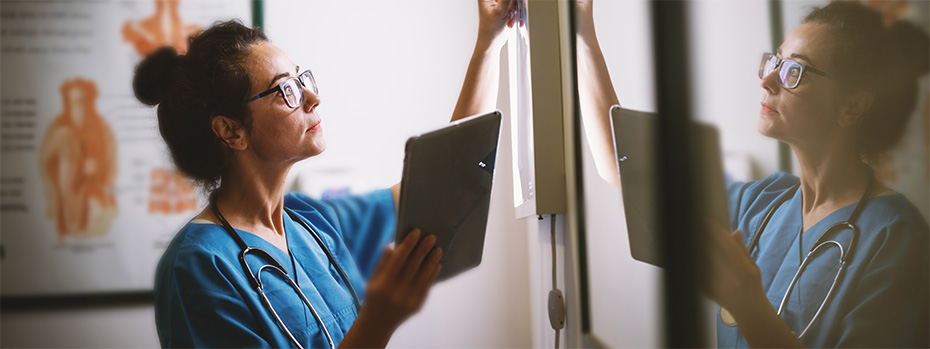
[(446, 188)]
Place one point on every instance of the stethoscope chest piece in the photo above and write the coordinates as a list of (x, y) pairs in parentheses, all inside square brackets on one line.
[(726, 317)]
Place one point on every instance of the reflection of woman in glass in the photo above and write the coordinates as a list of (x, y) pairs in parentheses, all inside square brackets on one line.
[(77, 163), (236, 114), (838, 91)]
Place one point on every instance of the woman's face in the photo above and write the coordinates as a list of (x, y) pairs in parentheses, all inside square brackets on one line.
[(280, 132), (807, 114)]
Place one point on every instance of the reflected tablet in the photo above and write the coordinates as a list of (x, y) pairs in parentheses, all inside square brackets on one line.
[(446, 188), (635, 144)]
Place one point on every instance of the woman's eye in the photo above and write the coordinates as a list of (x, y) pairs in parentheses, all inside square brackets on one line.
[(794, 71)]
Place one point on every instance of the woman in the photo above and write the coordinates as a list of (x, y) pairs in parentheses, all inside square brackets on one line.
[(236, 114), (838, 91)]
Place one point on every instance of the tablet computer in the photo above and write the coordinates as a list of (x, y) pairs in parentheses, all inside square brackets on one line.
[(634, 134), (446, 188)]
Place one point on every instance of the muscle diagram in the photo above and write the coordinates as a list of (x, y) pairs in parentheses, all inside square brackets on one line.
[(77, 163), (171, 192), (161, 29)]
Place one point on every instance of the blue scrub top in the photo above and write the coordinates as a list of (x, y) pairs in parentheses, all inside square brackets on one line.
[(881, 299), (203, 297)]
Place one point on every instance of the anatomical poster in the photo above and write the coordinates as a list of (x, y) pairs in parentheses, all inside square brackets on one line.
[(89, 197)]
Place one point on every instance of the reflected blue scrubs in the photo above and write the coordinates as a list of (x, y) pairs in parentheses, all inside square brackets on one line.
[(203, 297), (882, 298)]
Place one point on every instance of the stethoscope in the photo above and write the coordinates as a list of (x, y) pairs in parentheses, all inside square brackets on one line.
[(845, 254), (255, 279)]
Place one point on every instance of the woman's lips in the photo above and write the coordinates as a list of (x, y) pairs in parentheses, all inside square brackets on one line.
[(767, 109), (316, 127)]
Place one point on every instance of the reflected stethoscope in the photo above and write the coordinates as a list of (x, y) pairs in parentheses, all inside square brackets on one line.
[(725, 315), (255, 279)]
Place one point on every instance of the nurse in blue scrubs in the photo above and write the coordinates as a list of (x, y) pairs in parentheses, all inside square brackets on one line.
[(839, 91), (237, 113)]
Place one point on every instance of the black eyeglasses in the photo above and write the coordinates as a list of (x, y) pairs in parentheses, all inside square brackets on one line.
[(789, 71), (291, 89)]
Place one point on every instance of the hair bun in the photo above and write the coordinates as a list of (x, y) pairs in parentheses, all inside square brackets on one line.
[(912, 48), (154, 75)]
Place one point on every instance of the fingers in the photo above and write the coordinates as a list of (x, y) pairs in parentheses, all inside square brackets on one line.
[(424, 284), (738, 238), (400, 253), (512, 11), (382, 264), (726, 244), (717, 235), (435, 274), (428, 268), (414, 261), (516, 13), (427, 275)]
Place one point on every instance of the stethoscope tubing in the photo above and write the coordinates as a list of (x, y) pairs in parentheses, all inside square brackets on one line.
[(316, 316), (329, 255), (821, 242), (797, 275), (256, 280)]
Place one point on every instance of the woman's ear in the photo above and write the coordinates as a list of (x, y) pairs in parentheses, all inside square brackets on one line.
[(230, 132), (854, 108)]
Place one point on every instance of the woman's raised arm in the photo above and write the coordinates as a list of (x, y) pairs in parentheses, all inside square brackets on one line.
[(596, 94), (479, 91)]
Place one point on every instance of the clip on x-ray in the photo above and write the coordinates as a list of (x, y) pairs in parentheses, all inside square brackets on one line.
[(446, 188)]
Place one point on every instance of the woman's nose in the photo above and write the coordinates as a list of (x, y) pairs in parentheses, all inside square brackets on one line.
[(770, 82), (311, 99)]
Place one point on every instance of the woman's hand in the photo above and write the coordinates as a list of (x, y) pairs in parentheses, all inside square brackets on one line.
[(586, 21), (479, 91), (396, 290), (494, 16), (404, 276), (732, 277)]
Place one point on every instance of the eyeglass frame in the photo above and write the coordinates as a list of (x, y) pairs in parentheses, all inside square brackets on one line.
[(766, 57), (280, 88)]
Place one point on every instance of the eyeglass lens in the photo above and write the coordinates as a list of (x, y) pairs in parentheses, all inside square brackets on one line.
[(294, 93), (789, 72)]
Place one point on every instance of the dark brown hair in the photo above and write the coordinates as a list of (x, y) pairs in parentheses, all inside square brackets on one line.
[(191, 89), (886, 61)]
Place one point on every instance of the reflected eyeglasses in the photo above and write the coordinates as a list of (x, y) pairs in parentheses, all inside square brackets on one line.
[(291, 89), (789, 71)]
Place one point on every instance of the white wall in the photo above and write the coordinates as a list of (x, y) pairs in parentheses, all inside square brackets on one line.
[(727, 42), (386, 70), (625, 294)]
